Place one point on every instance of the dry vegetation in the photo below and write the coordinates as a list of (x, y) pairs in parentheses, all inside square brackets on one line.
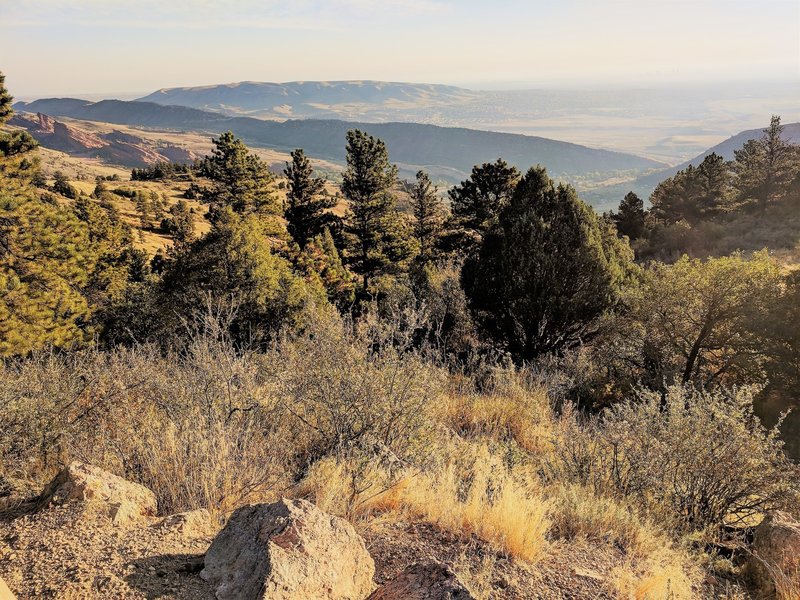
[(369, 430)]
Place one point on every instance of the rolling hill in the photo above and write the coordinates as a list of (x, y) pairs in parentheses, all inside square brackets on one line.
[(310, 98), (448, 153)]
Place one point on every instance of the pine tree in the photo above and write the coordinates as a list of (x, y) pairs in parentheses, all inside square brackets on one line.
[(428, 216), (6, 100), (239, 179), (320, 259), (44, 263), (377, 238), (547, 271), (307, 209), (764, 168), (629, 219), (478, 201), (144, 208), (695, 193), (180, 223)]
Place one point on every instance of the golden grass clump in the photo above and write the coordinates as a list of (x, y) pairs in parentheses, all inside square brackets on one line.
[(476, 495), (511, 411)]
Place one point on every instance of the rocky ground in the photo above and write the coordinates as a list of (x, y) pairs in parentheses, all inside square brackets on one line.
[(94, 535)]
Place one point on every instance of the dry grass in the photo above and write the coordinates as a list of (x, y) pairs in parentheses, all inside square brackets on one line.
[(654, 569), (466, 495), (512, 413)]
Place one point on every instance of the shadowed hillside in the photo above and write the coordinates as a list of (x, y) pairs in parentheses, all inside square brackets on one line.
[(448, 153)]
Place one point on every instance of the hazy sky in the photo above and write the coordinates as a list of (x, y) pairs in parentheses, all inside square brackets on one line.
[(71, 47)]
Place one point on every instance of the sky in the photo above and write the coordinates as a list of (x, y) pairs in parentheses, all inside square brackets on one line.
[(127, 48)]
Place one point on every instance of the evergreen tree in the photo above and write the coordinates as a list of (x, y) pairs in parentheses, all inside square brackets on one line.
[(764, 168), (695, 193), (428, 216), (44, 263), (180, 223), (320, 260), (239, 179), (144, 208), (547, 271), (233, 271), (6, 100), (307, 209), (377, 235), (629, 219), (478, 201), (61, 185)]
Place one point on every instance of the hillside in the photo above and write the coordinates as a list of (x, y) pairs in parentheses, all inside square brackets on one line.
[(310, 98), (448, 153), (644, 185), (115, 147)]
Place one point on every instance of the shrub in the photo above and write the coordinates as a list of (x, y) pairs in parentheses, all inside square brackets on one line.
[(347, 387), (696, 459)]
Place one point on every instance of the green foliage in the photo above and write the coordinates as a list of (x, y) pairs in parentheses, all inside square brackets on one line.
[(320, 261), (61, 185), (694, 194), (429, 215), (698, 321), (109, 250), (782, 331), (239, 179), (232, 271), (44, 268), (629, 219), (378, 240), (6, 100), (764, 168), (180, 223), (478, 201), (547, 272), (307, 209)]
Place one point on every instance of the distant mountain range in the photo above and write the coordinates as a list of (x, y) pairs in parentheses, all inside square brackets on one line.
[(312, 99), (448, 153)]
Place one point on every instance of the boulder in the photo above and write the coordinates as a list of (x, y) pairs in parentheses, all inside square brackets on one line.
[(424, 581), (5, 593), (776, 553), (123, 501), (287, 550)]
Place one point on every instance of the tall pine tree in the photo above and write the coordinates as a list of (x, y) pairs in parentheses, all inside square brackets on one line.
[(239, 179), (764, 168), (307, 209), (478, 201), (428, 216), (629, 219), (377, 237), (44, 257)]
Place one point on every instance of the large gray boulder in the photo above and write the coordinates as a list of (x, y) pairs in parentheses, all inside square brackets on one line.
[(775, 563), (424, 581), (288, 550)]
